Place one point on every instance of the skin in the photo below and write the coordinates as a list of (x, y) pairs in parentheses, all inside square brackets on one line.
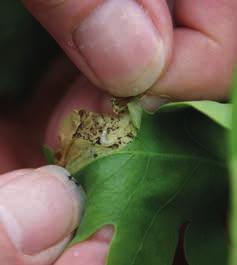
[(192, 60)]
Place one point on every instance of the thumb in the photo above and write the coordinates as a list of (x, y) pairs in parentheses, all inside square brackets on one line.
[(121, 46), (39, 210)]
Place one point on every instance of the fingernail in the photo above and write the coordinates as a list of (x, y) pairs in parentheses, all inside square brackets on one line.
[(122, 46), (153, 103), (40, 209)]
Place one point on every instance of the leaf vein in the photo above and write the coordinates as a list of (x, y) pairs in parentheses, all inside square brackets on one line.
[(160, 209), (110, 176), (171, 156), (139, 183)]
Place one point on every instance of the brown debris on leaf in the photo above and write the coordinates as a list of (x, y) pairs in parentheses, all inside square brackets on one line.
[(85, 136)]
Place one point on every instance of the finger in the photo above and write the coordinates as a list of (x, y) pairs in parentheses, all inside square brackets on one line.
[(94, 251), (205, 51), (122, 46), (38, 213), (5, 178), (22, 136), (22, 132)]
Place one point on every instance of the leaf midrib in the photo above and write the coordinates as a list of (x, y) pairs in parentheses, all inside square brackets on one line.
[(170, 156), (167, 156)]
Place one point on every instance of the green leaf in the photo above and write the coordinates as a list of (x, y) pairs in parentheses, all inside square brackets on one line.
[(233, 170), (162, 180), (209, 137), (49, 154), (218, 112)]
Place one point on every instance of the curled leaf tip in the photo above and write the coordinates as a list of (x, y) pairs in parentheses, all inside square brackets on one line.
[(85, 136)]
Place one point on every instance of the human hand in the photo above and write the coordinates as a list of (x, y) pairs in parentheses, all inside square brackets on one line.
[(40, 209), (170, 67), (128, 47)]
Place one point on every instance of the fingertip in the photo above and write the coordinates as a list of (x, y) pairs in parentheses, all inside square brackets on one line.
[(121, 46), (93, 251), (38, 212), (153, 103)]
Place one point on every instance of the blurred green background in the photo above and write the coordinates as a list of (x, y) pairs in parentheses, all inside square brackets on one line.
[(25, 51)]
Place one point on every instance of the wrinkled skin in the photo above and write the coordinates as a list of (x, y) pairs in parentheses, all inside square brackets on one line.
[(170, 67)]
